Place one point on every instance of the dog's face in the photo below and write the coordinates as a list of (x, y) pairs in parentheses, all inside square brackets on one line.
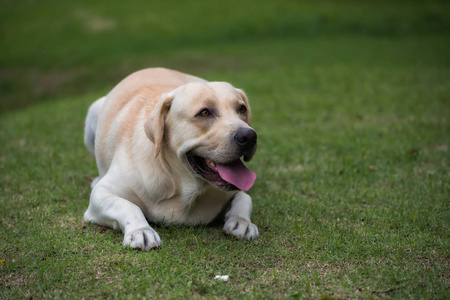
[(207, 125)]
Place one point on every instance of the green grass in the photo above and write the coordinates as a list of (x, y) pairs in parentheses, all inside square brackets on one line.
[(351, 104)]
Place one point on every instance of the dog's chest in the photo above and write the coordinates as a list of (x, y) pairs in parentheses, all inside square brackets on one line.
[(203, 209), (207, 206)]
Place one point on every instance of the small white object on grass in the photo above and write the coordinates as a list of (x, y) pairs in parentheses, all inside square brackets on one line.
[(222, 277)]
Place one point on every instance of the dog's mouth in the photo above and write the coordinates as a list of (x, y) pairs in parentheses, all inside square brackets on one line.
[(229, 176)]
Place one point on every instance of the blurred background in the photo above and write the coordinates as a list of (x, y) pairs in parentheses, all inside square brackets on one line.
[(351, 102), (53, 49)]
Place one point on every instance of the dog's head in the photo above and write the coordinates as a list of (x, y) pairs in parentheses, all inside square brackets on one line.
[(207, 126)]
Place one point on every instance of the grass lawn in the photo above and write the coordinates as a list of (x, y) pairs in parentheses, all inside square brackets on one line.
[(351, 102)]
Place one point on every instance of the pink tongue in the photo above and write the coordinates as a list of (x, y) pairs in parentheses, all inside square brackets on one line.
[(237, 174)]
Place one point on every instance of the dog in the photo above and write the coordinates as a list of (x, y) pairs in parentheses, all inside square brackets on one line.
[(168, 148)]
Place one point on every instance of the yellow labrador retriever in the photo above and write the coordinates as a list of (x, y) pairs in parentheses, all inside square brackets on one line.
[(168, 148)]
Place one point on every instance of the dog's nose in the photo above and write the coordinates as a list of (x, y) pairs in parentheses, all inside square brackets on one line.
[(245, 137)]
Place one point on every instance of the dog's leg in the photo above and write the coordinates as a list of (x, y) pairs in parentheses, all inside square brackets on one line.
[(237, 219), (107, 209)]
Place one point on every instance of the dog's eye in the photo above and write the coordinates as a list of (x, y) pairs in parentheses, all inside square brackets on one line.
[(204, 113), (242, 109)]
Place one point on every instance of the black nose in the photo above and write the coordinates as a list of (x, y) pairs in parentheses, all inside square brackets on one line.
[(245, 137)]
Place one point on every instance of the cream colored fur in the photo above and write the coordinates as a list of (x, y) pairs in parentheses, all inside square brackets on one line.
[(140, 134)]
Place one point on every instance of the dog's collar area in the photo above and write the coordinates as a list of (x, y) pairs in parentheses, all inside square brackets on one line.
[(208, 170)]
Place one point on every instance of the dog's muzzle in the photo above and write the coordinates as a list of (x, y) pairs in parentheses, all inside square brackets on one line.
[(233, 174)]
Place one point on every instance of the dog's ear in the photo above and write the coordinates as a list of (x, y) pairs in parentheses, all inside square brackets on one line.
[(155, 123), (244, 97)]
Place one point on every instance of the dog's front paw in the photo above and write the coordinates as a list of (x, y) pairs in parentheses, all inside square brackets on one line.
[(241, 228), (143, 239)]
